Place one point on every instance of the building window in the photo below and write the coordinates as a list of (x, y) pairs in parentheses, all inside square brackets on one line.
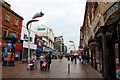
[(5, 32), (7, 18), (16, 22)]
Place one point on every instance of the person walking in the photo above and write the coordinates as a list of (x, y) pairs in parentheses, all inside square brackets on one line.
[(79, 57), (83, 58), (68, 57), (72, 56), (48, 58), (42, 58), (60, 57), (75, 57)]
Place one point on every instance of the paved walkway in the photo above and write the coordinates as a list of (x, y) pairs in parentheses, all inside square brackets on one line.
[(58, 70)]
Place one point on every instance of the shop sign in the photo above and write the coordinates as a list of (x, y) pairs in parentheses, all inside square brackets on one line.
[(113, 8), (39, 49), (41, 29), (18, 46)]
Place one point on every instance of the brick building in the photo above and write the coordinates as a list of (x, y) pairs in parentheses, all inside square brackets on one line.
[(11, 22)]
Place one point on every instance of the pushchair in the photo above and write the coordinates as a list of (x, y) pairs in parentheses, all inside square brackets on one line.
[(44, 65), (32, 65)]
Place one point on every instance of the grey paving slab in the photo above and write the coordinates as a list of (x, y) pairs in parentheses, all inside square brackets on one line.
[(58, 70)]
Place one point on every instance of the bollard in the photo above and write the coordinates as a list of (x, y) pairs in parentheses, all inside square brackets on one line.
[(68, 68)]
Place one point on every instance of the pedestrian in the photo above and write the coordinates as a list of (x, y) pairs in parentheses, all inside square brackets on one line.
[(72, 58), (48, 58), (68, 56), (42, 58), (75, 57), (83, 58), (34, 58), (60, 57), (33, 63)]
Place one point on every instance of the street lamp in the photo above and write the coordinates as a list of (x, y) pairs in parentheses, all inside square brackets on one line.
[(73, 44), (35, 16)]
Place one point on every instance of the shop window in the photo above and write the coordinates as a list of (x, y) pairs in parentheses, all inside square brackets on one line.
[(16, 22), (7, 18)]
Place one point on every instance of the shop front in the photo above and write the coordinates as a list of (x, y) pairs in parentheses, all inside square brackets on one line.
[(110, 34), (33, 48), (18, 51)]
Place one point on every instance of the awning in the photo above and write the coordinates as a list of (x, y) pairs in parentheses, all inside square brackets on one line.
[(52, 50), (81, 50)]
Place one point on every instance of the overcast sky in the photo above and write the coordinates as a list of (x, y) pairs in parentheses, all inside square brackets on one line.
[(65, 17)]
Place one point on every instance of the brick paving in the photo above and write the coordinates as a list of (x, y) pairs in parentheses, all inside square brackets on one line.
[(58, 70)]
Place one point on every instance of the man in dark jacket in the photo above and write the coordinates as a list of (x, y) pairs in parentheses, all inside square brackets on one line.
[(48, 58)]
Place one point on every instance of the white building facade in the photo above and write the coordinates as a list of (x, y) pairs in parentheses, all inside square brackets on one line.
[(24, 38), (46, 34)]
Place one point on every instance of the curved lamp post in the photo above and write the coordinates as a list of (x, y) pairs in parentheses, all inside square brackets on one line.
[(28, 29)]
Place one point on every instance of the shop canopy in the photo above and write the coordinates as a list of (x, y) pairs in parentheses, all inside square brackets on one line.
[(81, 50)]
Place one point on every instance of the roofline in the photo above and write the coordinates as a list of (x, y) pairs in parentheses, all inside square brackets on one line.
[(1, 4)]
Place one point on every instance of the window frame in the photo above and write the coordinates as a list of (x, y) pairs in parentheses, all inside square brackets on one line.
[(16, 22), (7, 17)]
